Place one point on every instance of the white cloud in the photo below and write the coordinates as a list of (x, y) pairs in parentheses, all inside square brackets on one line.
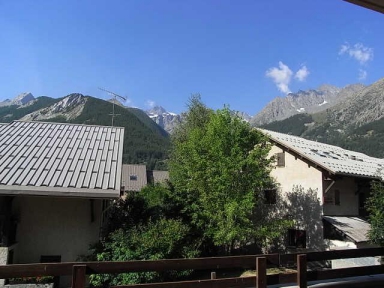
[(281, 76), (358, 51), (150, 103), (302, 73), (362, 74)]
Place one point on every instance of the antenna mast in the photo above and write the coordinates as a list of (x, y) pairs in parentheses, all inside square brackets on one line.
[(115, 96)]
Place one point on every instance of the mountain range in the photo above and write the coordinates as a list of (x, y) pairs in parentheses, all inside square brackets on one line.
[(144, 140), (349, 117), (355, 122)]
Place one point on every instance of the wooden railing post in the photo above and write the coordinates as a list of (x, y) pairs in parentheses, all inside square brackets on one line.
[(261, 268), (78, 276), (302, 271), (213, 275)]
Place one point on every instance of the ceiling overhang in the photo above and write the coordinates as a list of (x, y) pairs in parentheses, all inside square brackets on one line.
[(376, 5)]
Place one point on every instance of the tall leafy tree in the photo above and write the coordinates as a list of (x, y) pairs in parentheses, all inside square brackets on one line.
[(375, 207), (218, 167)]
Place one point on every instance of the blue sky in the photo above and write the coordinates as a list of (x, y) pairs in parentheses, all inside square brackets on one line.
[(241, 53)]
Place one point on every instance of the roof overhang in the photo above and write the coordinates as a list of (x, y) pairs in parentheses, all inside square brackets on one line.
[(58, 192), (352, 228), (376, 5), (315, 163)]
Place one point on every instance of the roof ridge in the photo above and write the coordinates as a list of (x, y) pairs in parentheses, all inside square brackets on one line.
[(65, 123)]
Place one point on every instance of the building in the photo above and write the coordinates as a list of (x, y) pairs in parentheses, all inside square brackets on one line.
[(136, 176), (329, 211), (56, 181)]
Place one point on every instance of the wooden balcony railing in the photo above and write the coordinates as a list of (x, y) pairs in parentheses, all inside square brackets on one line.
[(79, 270)]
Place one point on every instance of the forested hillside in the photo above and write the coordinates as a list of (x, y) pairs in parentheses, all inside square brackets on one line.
[(15, 112), (144, 141)]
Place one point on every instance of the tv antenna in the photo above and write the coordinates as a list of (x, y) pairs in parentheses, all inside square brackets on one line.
[(115, 96)]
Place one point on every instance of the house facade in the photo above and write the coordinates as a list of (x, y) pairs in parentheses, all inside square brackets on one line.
[(136, 176), (56, 182), (328, 187)]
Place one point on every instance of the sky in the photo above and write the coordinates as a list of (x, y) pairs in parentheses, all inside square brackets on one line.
[(160, 52)]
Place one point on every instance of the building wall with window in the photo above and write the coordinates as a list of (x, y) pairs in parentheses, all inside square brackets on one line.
[(294, 172)]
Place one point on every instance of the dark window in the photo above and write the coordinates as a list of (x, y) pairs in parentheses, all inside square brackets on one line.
[(133, 177), (270, 196), (280, 157), (337, 197), (297, 238)]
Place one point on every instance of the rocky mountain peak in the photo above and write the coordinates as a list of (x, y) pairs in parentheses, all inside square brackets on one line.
[(23, 98), (326, 88), (69, 107), (19, 100), (157, 110), (308, 101)]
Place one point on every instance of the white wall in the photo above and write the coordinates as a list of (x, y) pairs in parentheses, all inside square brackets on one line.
[(305, 207), (296, 172), (54, 226)]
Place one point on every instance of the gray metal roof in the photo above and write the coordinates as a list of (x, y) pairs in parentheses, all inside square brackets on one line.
[(160, 176), (40, 158), (332, 158), (353, 227), (134, 177)]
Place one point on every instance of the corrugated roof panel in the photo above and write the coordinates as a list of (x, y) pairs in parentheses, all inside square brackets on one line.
[(100, 175), (60, 155)]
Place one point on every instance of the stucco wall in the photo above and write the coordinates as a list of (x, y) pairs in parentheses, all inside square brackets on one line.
[(304, 206), (349, 199), (54, 226), (296, 172)]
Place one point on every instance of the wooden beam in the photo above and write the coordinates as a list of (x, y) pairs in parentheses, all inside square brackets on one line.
[(261, 268), (78, 276), (302, 271)]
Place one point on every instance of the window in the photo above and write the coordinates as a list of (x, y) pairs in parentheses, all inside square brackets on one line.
[(337, 197), (297, 238), (270, 196), (280, 157), (133, 177)]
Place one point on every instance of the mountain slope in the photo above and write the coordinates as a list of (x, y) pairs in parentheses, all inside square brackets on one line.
[(167, 120), (357, 123), (144, 141), (15, 112), (310, 101)]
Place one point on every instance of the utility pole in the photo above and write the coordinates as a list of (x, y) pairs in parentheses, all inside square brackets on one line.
[(115, 96)]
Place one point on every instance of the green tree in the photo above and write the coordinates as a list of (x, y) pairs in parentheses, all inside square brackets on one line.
[(161, 239), (218, 167), (143, 227), (375, 207)]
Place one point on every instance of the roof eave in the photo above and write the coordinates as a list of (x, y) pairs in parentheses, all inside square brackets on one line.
[(317, 164), (59, 192)]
